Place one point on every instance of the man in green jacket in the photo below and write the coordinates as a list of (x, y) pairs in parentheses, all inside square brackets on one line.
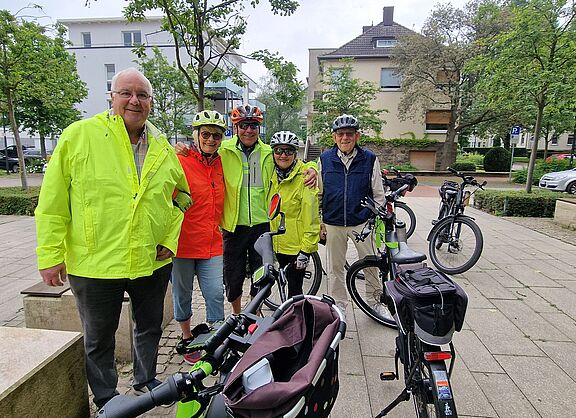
[(108, 218), (248, 167)]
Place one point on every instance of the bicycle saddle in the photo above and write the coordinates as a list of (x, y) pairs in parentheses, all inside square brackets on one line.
[(406, 255)]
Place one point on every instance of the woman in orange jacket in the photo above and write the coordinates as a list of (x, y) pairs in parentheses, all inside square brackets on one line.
[(200, 244)]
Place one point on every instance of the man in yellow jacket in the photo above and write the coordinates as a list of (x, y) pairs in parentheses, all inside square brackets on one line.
[(108, 218)]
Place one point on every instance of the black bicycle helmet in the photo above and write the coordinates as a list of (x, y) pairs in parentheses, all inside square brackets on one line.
[(345, 121)]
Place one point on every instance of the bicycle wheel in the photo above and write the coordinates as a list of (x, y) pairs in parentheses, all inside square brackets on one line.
[(419, 384), (367, 291), (406, 214), (312, 281), (455, 245)]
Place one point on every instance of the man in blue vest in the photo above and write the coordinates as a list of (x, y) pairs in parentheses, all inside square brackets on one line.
[(348, 174)]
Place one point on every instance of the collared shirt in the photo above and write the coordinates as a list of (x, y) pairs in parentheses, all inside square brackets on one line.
[(140, 149)]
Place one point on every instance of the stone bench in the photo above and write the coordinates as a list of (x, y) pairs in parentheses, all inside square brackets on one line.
[(42, 374), (565, 213), (47, 307)]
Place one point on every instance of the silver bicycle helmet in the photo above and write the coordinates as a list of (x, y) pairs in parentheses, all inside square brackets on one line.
[(284, 138), (345, 121)]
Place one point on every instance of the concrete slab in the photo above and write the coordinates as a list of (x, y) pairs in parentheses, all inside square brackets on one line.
[(545, 385), (474, 354), (562, 353)]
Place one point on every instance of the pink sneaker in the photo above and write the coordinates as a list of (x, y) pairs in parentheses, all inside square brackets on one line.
[(193, 357)]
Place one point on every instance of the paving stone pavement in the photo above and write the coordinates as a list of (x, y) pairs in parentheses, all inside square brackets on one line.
[(515, 355)]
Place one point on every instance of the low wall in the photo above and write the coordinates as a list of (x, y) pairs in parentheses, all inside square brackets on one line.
[(565, 213)]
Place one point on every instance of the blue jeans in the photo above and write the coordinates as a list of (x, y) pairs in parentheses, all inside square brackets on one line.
[(209, 273)]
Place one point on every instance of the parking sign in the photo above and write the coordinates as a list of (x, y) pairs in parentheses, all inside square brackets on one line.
[(514, 135)]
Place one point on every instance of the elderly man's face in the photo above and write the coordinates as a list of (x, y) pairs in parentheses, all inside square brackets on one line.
[(346, 139), (132, 100)]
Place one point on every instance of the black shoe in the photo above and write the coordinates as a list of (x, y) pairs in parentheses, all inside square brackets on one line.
[(182, 346)]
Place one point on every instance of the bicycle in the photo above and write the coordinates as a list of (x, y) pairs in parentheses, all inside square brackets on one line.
[(367, 290), (455, 241), (428, 307), (229, 343), (403, 211)]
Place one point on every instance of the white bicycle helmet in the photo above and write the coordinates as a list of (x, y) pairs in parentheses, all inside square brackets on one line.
[(284, 138), (345, 121)]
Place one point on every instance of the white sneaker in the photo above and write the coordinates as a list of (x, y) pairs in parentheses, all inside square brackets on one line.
[(381, 310)]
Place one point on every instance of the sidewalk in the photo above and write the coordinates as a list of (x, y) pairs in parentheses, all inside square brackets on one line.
[(515, 355)]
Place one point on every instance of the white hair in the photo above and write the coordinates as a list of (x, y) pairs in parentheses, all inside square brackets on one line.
[(132, 71)]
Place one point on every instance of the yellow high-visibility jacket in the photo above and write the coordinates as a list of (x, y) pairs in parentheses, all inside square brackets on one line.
[(95, 214)]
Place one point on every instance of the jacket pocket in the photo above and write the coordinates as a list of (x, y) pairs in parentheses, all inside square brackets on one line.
[(89, 232)]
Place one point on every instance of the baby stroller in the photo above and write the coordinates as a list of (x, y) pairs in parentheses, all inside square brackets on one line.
[(291, 370)]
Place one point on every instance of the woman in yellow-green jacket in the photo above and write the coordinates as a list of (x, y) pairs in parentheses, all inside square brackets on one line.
[(299, 204)]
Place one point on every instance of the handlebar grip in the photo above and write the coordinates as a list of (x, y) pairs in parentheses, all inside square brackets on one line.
[(263, 246), (225, 330)]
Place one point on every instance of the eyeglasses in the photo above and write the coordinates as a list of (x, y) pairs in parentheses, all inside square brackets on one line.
[(125, 94), (286, 151), (347, 134), (251, 125), (206, 135)]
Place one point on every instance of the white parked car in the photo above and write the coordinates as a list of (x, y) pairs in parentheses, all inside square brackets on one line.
[(560, 181)]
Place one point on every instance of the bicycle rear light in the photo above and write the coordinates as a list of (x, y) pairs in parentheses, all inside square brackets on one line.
[(437, 355)]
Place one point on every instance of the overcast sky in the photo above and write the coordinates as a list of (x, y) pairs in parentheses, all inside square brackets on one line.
[(315, 24)]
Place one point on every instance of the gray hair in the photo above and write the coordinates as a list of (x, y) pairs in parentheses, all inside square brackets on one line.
[(132, 71)]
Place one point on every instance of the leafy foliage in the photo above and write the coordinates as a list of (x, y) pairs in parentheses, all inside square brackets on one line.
[(497, 159), (344, 94), (172, 98), (540, 204), (541, 168), (207, 32), (14, 201), (464, 165)]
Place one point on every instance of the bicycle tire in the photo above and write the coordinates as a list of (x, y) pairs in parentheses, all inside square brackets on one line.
[(406, 214), (370, 300), (448, 247), (420, 382), (311, 285)]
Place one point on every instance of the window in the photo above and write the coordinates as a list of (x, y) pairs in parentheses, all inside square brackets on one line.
[(386, 43), (110, 71), (570, 139), (554, 139), (389, 80), (86, 39), (132, 38), (437, 120)]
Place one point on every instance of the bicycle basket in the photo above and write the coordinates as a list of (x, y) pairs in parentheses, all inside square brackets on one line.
[(301, 349), (427, 302), (448, 190)]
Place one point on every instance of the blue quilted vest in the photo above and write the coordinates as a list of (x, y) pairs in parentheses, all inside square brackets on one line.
[(344, 189)]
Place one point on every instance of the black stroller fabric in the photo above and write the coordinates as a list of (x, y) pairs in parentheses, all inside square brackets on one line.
[(296, 345)]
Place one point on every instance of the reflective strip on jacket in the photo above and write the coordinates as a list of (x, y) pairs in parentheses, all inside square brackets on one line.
[(300, 205), (232, 163), (200, 236), (95, 214)]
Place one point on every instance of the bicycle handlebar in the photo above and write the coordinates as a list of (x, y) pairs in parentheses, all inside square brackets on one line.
[(468, 179)]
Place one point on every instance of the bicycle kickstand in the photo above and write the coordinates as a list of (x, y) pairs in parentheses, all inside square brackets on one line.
[(404, 396)]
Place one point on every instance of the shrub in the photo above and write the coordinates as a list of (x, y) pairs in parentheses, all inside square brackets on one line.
[(15, 201), (538, 204), (497, 159), (542, 167), (464, 165)]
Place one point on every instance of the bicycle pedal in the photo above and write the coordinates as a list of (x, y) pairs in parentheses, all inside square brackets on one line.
[(388, 376)]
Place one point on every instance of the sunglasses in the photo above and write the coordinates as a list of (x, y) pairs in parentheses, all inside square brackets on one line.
[(251, 125), (207, 135), (285, 151)]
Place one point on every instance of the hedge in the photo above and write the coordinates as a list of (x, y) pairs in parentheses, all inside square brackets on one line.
[(15, 201), (538, 204)]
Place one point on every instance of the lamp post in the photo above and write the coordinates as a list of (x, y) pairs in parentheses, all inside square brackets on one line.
[(5, 142)]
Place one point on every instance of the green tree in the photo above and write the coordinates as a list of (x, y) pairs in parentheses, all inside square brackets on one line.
[(344, 94), (46, 104), (31, 66), (282, 93), (532, 63), (432, 66), (172, 97), (207, 32)]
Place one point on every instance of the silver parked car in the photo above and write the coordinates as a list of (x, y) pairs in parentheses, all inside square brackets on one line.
[(560, 181)]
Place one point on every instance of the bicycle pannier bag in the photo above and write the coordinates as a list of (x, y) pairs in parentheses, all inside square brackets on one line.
[(427, 302), (291, 370)]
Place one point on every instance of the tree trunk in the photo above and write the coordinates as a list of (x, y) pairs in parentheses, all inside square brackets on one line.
[(16, 133), (537, 130), (43, 146), (449, 152)]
